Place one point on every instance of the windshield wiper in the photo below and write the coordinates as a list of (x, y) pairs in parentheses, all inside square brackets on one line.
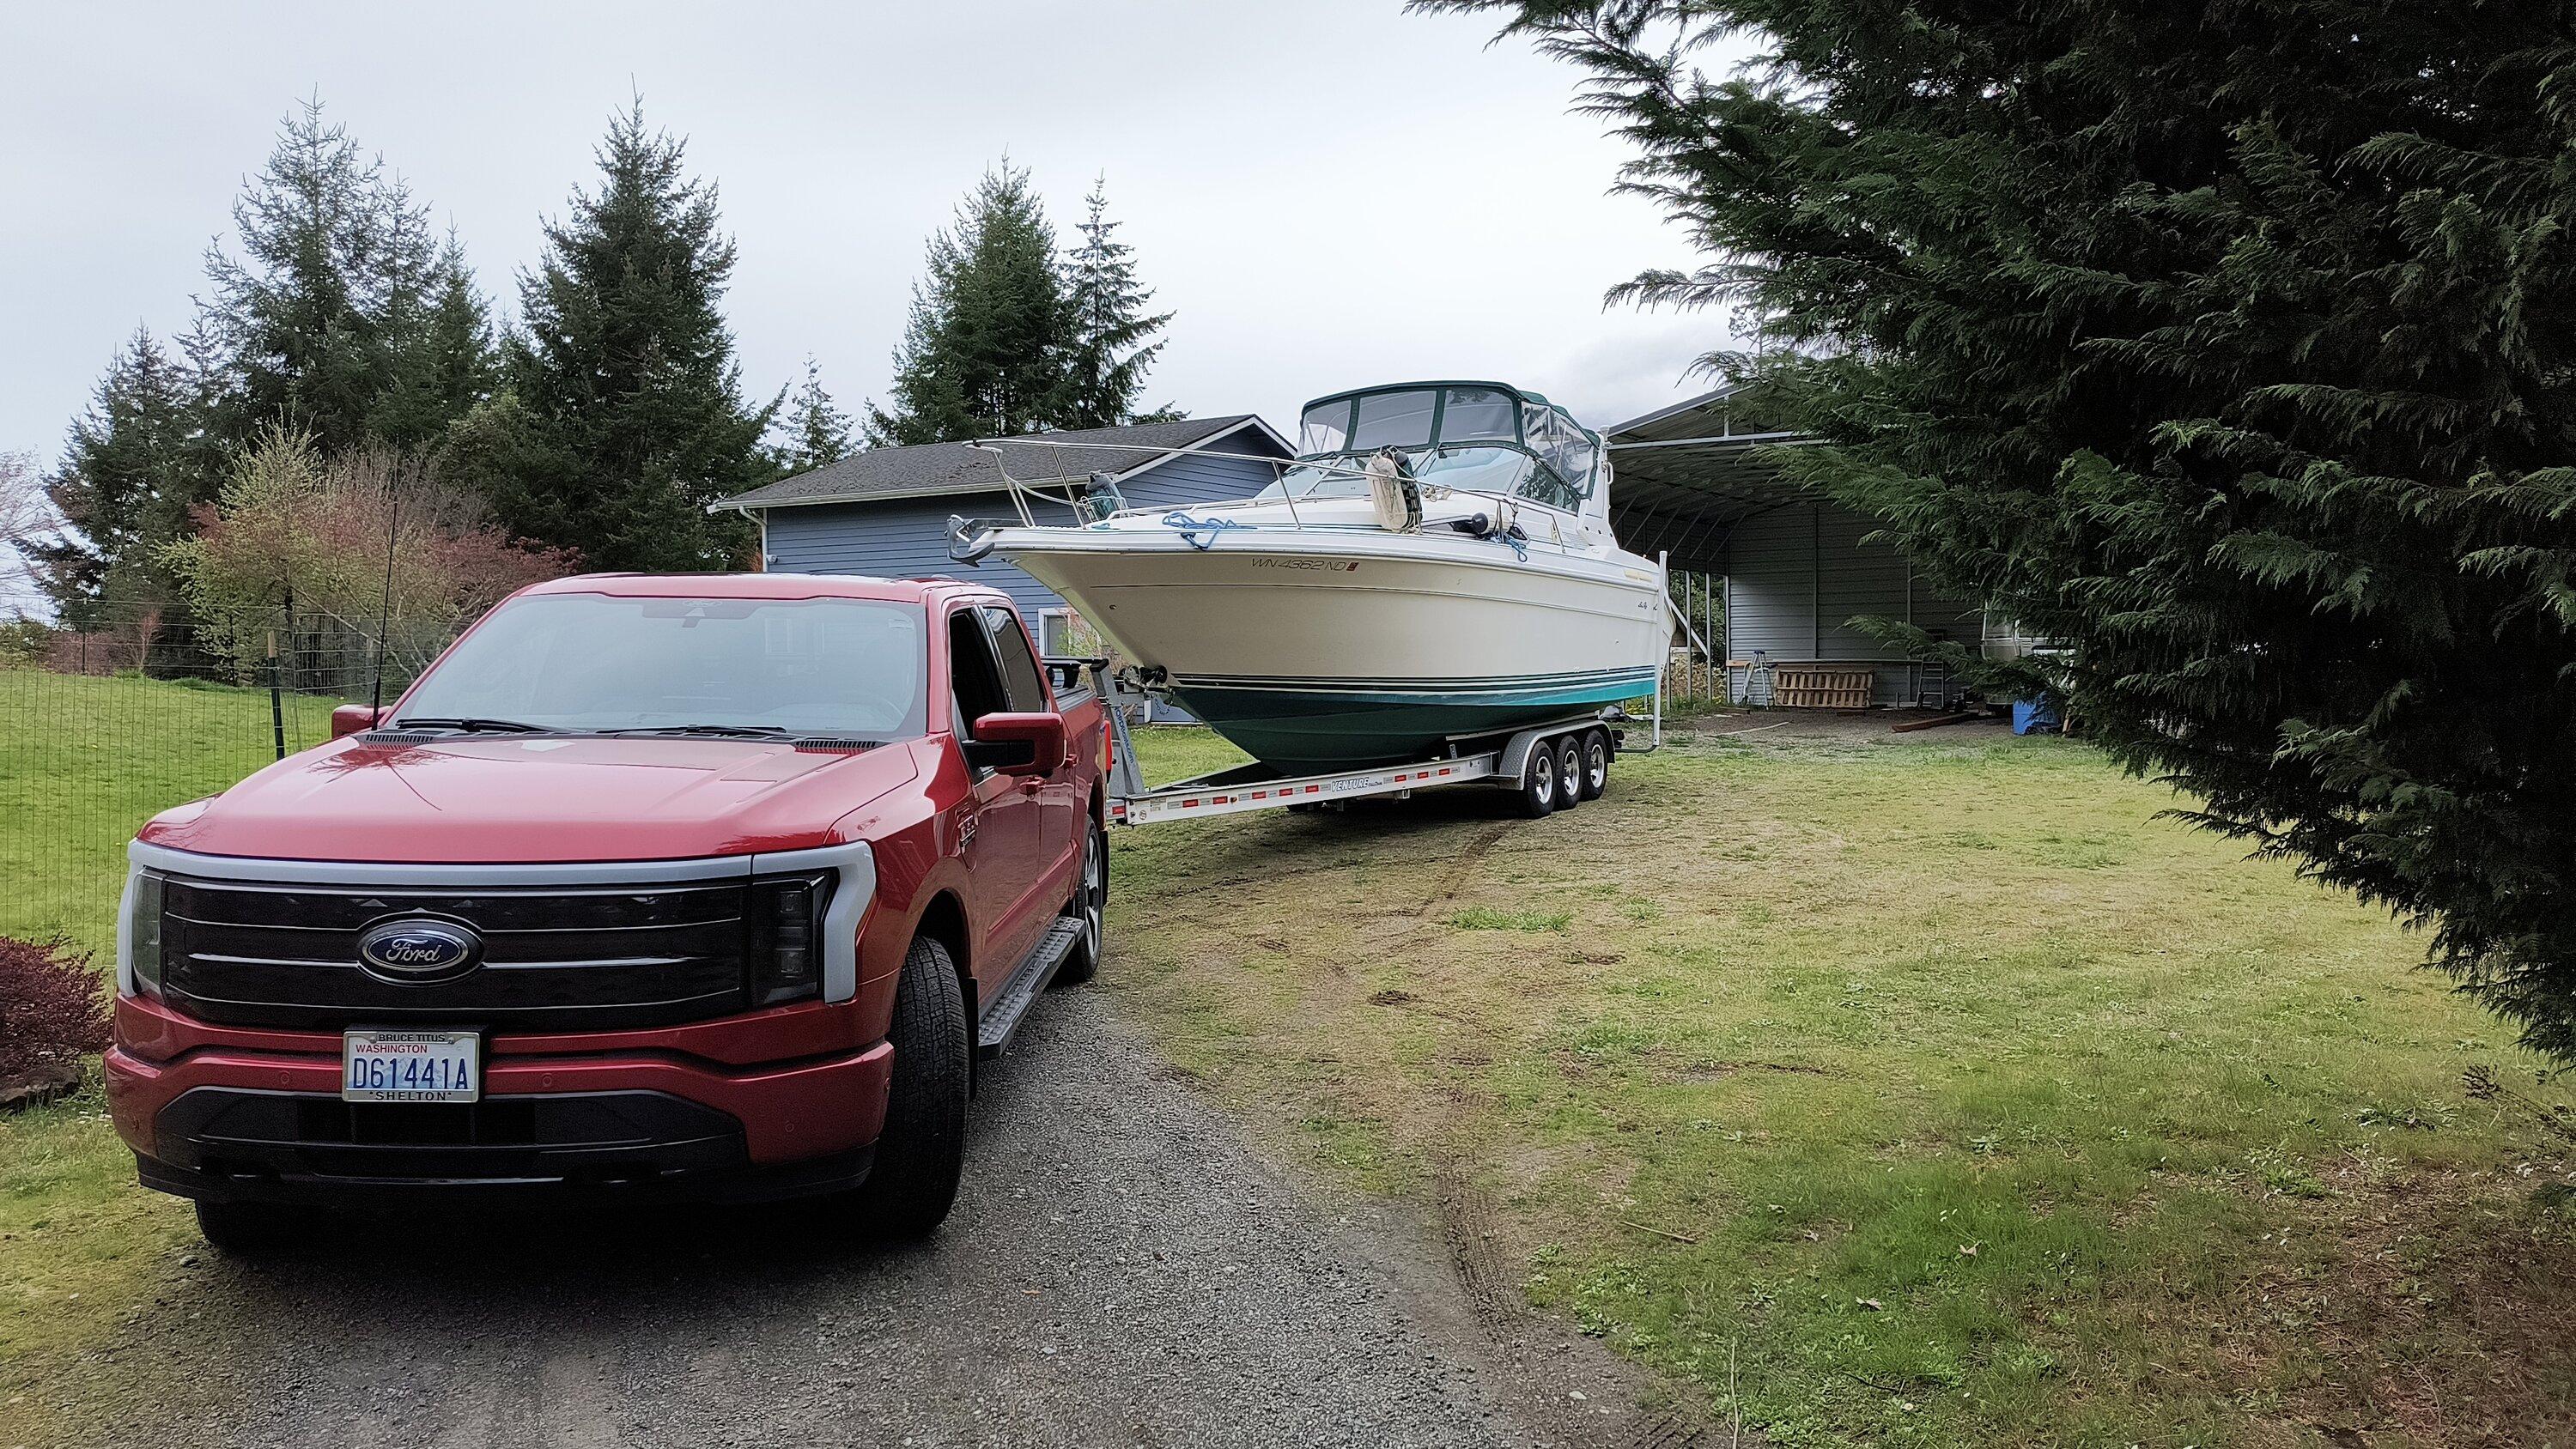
[(753, 731), (473, 725)]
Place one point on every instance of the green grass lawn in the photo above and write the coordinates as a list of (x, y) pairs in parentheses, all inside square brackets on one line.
[(1927, 1093), (83, 761)]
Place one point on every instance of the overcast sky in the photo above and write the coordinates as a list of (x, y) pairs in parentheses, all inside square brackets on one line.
[(1328, 192)]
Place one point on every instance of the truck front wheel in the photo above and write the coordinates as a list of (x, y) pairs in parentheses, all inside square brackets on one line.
[(253, 1229), (922, 1151)]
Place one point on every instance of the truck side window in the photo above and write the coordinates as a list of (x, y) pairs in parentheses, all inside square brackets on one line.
[(976, 685), (1019, 667)]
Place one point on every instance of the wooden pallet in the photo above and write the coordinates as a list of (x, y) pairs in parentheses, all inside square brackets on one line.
[(1822, 686)]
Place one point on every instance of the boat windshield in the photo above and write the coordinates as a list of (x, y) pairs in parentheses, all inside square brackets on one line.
[(1409, 417), (1530, 450)]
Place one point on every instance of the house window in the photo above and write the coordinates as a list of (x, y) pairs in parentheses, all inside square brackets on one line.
[(1055, 632)]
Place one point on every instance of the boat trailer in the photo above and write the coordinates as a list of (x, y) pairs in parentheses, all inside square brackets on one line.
[(1491, 761)]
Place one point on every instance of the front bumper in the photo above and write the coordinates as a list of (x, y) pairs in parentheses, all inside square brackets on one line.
[(256, 1115)]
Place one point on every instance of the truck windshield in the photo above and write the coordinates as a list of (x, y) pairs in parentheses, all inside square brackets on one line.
[(582, 662)]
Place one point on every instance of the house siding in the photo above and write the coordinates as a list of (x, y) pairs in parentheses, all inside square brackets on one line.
[(1795, 579)]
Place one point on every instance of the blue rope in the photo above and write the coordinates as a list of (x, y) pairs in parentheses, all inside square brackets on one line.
[(1512, 536), (1190, 528)]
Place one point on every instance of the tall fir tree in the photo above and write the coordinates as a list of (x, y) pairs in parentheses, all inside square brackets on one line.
[(622, 415), (817, 431), (2232, 347), (1113, 340), (984, 351), (136, 462), (448, 362), (340, 317)]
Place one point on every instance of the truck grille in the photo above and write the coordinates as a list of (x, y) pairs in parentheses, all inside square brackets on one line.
[(554, 958)]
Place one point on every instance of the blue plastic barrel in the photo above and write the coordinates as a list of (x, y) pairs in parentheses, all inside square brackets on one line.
[(2034, 715)]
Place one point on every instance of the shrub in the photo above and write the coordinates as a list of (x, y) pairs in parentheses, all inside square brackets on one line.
[(50, 1006)]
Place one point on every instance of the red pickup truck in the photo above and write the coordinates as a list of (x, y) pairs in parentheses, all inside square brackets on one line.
[(689, 886)]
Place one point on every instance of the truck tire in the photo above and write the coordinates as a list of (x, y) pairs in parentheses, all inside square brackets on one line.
[(1090, 905), (922, 1151), (252, 1229)]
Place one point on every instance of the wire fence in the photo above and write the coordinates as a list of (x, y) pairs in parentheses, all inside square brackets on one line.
[(104, 726)]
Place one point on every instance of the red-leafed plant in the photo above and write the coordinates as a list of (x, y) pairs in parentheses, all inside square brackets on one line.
[(357, 542), (52, 1012)]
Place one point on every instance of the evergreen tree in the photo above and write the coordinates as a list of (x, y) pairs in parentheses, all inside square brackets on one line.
[(623, 415), (338, 317), (1109, 352), (135, 464), (2233, 347), (984, 351), (817, 431), (449, 362)]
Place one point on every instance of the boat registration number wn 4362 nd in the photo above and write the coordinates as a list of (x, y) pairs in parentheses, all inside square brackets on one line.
[(410, 1066)]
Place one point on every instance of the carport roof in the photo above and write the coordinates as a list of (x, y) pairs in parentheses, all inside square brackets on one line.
[(1685, 475)]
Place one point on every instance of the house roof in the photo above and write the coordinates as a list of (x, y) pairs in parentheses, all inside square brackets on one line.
[(931, 469)]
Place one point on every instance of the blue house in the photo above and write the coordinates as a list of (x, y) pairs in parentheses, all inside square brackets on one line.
[(885, 511)]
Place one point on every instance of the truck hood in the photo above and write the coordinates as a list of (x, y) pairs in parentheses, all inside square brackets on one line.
[(477, 799)]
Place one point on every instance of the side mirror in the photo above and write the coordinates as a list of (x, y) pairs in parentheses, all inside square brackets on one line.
[(1017, 744), (348, 719)]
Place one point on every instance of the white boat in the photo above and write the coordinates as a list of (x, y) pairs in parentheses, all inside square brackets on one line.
[(1436, 568)]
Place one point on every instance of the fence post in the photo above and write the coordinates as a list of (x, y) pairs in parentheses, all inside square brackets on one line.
[(276, 698)]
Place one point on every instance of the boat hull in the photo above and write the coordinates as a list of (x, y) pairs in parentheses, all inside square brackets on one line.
[(1317, 653)]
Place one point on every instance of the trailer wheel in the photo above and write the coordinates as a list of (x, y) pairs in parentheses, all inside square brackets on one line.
[(1596, 763), (1090, 906), (922, 1151), (1537, 795), (1569, 774)]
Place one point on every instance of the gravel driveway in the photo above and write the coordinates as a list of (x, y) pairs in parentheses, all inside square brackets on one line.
[(1122, 1269)]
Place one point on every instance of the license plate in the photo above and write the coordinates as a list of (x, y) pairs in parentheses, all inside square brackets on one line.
[(410, 1066)]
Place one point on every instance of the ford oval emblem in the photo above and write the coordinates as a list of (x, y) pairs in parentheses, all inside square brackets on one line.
[(418, 950)]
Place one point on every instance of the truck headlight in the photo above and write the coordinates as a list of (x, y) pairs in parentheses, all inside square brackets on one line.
[(787, 937), (138, 933)]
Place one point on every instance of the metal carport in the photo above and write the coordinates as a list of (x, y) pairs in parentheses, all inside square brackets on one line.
[(1778, 570)]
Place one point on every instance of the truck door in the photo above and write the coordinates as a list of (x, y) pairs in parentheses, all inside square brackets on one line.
[(1058, 835), (1001, 820)]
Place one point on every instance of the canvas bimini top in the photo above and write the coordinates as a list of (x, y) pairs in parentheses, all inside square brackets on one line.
[(1474, 436)]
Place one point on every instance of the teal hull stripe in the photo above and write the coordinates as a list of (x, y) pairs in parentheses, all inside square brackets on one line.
[(1348, 726)]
